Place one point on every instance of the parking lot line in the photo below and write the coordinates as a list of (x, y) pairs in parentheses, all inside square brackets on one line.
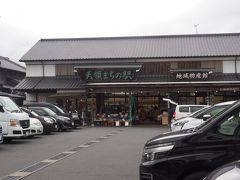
[(27, 171)]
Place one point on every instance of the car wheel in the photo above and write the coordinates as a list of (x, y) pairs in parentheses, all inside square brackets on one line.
[(58, 129), (75, 126), (45, 132), (199, 175)]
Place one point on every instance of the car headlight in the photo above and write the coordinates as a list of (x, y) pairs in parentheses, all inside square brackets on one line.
[(153, 153), (14, 122), (37, 123), (54, 119), (48, 120), (66, 119)]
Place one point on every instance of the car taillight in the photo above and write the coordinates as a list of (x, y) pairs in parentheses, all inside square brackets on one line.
[(174, 115)]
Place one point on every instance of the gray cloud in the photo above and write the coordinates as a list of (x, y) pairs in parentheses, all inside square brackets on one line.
[(213, 16)]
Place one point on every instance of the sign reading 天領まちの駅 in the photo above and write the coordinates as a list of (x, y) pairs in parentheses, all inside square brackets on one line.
[(108, 74)]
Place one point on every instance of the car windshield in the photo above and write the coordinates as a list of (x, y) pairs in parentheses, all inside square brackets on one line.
[(199, 112), (55, 109), (34, 113), (49, 112), (30, 112), (59, 109), (9, 105), (217, 111), (214, 110), (43, 111)]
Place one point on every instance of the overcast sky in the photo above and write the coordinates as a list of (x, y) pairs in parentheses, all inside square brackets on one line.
[(24, 22)]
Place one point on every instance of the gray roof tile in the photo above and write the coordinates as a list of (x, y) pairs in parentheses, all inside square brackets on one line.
[(28, 83), (50, 83), (198, 45), (58, 83)]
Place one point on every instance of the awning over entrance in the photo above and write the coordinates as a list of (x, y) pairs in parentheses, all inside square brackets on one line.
[(50, 83), (142, 81)]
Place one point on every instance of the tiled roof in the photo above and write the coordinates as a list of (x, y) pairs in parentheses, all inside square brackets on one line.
[(28, 83), (6, 63), (57, 83), (198, 45), (50, 83)]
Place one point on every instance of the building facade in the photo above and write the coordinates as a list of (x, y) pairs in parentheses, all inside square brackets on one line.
[(111, 74), (11, 74)]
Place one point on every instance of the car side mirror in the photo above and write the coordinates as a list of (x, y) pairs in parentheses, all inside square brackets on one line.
[(1, 108), (206, 117)]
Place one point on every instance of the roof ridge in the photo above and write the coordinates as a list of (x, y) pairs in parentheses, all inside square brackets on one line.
[(140, 37)]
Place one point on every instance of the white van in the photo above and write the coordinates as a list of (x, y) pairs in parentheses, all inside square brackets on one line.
[(14, 122), (186, 110)]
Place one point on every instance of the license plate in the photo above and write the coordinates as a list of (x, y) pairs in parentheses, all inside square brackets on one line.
[(56, 126), (72, 123), (27, 133), (1, 138)]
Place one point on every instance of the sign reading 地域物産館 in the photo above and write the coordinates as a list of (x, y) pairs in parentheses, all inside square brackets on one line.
[(192, 75), (108, 74)]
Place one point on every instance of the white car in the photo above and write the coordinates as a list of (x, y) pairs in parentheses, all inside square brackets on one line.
[(36, 127), (200, 117), (186, 110)]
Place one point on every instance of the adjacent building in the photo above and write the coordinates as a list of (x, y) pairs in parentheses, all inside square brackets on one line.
[(106, 74), (11, 74)]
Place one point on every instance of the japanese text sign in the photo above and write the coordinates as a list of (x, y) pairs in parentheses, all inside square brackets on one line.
[(192, 75), (108, 74)]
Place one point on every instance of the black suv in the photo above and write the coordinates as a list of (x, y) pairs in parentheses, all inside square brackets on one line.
[(63, 123), (49, 124), (191, 154), (59, 111)]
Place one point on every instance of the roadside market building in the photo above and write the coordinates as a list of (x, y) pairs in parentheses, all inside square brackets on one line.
[(102, 74)]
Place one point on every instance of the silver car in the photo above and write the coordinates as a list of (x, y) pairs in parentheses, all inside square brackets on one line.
[(198, 118)]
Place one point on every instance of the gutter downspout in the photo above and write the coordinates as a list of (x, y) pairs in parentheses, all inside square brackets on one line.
[(236, 73), (43, 69)]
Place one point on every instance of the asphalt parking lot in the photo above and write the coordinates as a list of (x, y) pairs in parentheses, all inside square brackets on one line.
[(89, 153)]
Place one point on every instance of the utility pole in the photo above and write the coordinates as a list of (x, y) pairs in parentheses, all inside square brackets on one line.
[(196, 28)]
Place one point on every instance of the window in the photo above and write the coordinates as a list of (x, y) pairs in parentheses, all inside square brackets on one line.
[(189, 65), (40, 112), (195, 108), (230, 124), (184, 109)]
